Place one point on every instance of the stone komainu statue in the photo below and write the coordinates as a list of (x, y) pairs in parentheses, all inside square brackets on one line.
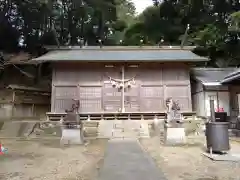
[(72, 120), (172, 105), (173, 109)]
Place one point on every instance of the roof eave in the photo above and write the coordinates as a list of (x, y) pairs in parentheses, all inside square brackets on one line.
[(26, 88), (212, 84), (207, 84), (230, 79), (143, 60)]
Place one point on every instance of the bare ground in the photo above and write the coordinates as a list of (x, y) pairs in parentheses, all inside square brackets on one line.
[(28, 160), (187, 162)]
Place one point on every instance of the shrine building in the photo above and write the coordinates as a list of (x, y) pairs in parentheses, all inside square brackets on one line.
[(120, 80)]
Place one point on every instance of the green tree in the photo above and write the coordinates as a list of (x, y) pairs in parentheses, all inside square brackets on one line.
[(52, 22), (214, 27)]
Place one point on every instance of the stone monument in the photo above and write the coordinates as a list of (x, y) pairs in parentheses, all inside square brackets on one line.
[(72, 127), (174, 129)]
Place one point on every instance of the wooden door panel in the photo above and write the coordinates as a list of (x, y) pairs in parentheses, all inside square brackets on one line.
[(90, 98), (181, 95), (153, 76), (133, 106), (152, 91), (177, 91), (64, 96), (132, 102), (66, 92), (152, 98), (176, 76), (112, 106), (90, 105), (111, 98), (152, 105), (63, 104), (90, 92)]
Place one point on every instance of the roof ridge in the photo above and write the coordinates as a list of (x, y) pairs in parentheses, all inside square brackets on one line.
[(120, 47)]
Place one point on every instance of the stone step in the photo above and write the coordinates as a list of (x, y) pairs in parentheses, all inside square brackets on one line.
[(125, 128), (90, 124)]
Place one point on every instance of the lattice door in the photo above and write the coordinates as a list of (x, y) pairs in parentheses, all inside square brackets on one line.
[(152, 99), (132, 101), (111, 98), (90, 98), (64, 96)]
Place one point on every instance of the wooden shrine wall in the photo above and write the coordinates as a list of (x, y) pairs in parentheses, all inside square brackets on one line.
[(90, 84)]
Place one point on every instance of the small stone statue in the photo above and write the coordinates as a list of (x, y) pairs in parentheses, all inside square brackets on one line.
[(174, 130), (72, 131), (173, 111), (71, 120)]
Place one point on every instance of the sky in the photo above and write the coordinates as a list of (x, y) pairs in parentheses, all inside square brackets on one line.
[(141, 5)]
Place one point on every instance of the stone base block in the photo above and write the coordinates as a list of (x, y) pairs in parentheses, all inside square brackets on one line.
[(72, 136), (175, 136)]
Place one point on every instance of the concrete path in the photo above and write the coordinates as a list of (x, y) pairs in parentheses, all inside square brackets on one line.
[(125, 160)]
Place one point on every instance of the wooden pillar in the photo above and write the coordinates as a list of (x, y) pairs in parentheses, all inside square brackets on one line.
[(32, 110), (238, 97), (38, 73), (13, 102)]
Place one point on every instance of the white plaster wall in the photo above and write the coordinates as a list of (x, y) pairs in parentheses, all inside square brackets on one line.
[(224, 101), (198, 99), (221, 99), (198, 104)]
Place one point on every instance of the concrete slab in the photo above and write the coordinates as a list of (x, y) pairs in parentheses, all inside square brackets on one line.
[(125, 160), (225, 157)]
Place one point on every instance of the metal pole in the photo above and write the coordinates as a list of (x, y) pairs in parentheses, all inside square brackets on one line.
[(212, 110), (218, 106), (123, 90)]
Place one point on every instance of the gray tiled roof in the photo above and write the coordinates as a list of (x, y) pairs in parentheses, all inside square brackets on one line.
[(26, 88), (121, 55), (234, 75), (211, 75)]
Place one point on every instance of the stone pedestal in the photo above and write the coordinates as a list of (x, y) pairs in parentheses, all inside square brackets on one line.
[(72, 136), (174, 133), (175, 136)]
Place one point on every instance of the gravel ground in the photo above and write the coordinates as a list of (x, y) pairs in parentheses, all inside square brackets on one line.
[(29, 160), (47, 160), (187, 162)]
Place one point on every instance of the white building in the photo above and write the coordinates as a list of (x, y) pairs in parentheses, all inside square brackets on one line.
[(206, 84)]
